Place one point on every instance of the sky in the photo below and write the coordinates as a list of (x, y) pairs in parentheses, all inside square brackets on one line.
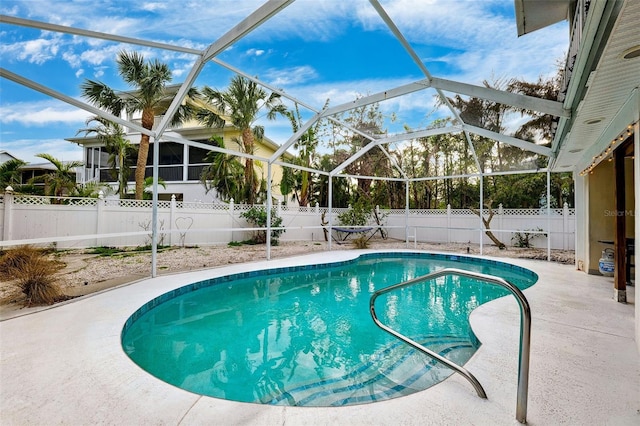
[(314, 50)]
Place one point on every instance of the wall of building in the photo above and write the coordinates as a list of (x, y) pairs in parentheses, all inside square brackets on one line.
[(601, 212)]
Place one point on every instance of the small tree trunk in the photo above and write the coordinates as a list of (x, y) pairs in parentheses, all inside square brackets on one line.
[(143, 153), (487, 225), (249, 178)]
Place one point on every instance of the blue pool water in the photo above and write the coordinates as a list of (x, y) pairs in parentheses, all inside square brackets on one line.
[(304, 336)]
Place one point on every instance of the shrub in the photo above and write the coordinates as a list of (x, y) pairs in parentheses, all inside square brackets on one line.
[(524, 239), (362, 242), (257, 216), (34, 274), (358, 215)]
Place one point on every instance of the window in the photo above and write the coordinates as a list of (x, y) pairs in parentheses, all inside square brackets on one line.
[(170, 153)]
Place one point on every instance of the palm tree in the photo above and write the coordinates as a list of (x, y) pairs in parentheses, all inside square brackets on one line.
[(224, 174), (10, 173), (148, 183), (60, 181), (306, 147), (240, 105), (120, 149), (149, 79)]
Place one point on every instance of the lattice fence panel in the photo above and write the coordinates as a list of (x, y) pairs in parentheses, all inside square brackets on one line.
[(32, 200)]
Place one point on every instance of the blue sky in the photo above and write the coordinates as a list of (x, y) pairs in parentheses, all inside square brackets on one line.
[(315, 50)]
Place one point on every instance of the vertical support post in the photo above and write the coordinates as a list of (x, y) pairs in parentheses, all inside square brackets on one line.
[(185, 163), (636, 182), (329, 210), (269, 205), (481, 211), (565, 225), (500, 217), (620, 229), (100, 204), (448, 223), (154, 209), (172, 220), (406, 215), (548, 215), (231, 217), (8, 207)]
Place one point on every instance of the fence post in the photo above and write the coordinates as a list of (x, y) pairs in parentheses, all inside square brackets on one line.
[(317, 208), (8, 206), (565, 225), (99, 217), (448, 223), (172, 219), (231, 217), (500, 222)]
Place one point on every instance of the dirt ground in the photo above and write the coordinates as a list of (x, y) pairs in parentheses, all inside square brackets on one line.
[(84, 273)]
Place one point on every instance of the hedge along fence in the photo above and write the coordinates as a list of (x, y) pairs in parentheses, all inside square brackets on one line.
[(86, 222)]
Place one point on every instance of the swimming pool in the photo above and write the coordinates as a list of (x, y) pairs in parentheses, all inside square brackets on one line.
[(303, 335)]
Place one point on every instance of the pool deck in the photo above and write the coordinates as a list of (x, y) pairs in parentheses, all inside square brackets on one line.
[(65, 365)]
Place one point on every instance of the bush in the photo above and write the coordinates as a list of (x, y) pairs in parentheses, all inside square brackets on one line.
[(361, 242), (358, 215), (34, 273), (524, 239), (257, 216)]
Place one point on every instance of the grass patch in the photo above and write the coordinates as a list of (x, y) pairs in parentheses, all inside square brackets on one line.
[(104, 251), (243, 243), (33, 272)]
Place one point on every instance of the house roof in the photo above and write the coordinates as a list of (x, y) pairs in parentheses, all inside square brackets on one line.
[(6, 154), (531, 15), (603, 91)]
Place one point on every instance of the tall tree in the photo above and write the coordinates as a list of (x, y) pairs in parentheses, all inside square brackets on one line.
[(240, 104), (370, 120), (224, 174), (120, 149), (306, 147), (62, 180), (149, 97)]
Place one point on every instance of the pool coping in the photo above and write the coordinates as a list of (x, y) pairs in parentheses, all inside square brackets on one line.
[(65, 365)]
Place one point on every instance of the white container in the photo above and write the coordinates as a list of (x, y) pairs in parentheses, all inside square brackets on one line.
[(606, 264)]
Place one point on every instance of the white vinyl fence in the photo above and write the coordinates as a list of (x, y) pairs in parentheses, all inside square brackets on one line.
[(89, 222)]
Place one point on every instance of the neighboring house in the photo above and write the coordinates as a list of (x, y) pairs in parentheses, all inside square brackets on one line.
[(5, 156), (600, 141), (179, 165), (34, 170)]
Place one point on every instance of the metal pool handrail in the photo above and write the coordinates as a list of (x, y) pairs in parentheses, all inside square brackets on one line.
[(525, 333)]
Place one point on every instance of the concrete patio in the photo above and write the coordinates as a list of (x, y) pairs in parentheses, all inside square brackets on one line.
[(65, 365)]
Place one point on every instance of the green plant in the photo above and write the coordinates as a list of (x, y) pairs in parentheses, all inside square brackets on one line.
[(104, 251), (257, 216), (358, 215), (525, 239), (362, 242), (34, 274)]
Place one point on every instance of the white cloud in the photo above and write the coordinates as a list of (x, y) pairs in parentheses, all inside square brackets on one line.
[(36, 51), (79, 73), (290, 76), (154, 6), (255, 52), (26, 149), (40, 113)]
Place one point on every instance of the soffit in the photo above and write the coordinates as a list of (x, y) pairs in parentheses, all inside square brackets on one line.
[(532, 15), (609, 87)]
